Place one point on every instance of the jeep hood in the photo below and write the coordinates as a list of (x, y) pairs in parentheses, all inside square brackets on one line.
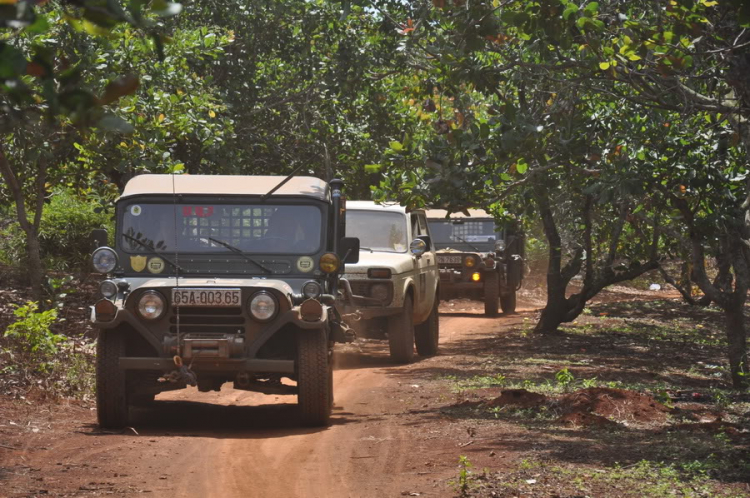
[(396, 262)]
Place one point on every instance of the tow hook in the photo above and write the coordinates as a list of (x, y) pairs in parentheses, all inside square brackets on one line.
[(181, 374)]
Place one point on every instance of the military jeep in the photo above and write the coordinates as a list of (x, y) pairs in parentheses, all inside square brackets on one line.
[(478, 258), (220, 278)]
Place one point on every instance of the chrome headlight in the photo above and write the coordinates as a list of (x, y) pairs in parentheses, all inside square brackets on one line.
[(263, 306), (104, 260), (500, 245), (312, 289), (151, 305), (108, 289)]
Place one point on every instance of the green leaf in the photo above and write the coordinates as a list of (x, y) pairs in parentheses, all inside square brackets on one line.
[(398, 146), (569, 10), (604, 66), (373, 168), (522, 166)]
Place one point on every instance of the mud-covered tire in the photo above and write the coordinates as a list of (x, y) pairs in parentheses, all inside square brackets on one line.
[(491, 293), (427, 334), (314, 378), (508, 303), (401, 333), (112, 407)]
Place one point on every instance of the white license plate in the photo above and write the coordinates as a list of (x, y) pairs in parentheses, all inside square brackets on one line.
[(206, 297), (449, 259)]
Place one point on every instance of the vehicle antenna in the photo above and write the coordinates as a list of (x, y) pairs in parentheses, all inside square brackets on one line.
[(176, 261)]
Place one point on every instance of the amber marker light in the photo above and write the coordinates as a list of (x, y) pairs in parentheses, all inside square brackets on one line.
[(475, 277), (105, 310), (329, 262)]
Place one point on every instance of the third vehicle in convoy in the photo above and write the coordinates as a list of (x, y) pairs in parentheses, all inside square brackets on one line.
[(393, 290), (478, 258)]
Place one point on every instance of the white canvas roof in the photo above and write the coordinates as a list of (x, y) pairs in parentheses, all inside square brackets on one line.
[(442, 213), (225, 185)]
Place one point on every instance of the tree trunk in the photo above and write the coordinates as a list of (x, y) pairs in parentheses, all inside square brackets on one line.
[(30, 228), (737, 346)]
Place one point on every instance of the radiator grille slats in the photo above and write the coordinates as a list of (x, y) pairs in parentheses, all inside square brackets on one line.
[(208, 320)]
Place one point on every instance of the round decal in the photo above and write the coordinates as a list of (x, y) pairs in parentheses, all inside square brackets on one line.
[(155, 265), (136, 210), (305, 264)]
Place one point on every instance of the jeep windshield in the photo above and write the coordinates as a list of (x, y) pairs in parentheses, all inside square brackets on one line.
[(464, 235), (220, 228), (377, 230)]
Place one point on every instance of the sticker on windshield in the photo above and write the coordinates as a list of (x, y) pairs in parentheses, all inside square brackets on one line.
[(136, 210), (138, 263), (305, 264), (155, 265), (399, 247)]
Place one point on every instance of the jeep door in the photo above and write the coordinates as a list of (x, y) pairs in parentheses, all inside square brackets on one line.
[(426, 269)]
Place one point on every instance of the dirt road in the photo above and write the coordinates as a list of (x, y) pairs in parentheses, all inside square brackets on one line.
[(384, 440)]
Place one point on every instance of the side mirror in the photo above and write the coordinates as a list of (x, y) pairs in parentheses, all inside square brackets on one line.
[(349, 250), (418, 247), (427, 240), (98, 238)]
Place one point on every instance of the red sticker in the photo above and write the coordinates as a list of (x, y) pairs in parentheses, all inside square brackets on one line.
[(199, 211)]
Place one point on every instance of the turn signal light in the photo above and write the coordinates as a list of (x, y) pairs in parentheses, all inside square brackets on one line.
[(311, 310), (379, 273), (330, 263), (105, 310), (475, 277)]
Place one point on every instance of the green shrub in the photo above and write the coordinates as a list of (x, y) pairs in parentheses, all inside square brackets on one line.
[(33, 355), (31, 338), (64, 233)]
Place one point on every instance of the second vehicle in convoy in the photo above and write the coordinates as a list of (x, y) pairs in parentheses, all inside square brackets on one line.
[(393, 290), (478, 258)]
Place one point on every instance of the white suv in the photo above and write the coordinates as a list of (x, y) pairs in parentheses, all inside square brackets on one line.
[(393, 290)]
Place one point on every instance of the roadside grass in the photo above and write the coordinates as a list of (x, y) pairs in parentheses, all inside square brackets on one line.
[(665, 349), (533, 478)]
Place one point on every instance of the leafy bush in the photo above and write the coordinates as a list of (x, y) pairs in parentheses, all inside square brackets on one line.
[(32, 354), (64, 233)]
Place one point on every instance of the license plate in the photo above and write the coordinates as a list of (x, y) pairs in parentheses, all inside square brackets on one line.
[(449, 259), (206, 297)]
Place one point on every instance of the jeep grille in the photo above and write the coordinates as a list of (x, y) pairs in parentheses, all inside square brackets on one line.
[(208, 320)]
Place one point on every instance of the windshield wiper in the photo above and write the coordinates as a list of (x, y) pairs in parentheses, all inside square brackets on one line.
[(365, 249), (154, 251), (241, 253), (467, 243)]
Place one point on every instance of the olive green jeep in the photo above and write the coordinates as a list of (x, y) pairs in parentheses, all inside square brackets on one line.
[(215, 279)]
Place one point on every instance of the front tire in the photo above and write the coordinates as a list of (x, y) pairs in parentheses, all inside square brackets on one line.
[(314, 378), (491, 293), (112, 406), (427, 335), (401, 333)]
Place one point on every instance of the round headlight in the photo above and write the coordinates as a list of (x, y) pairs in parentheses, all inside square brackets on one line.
[(108, 289), (151, 305), (263, 306), (312, 289), (379, 292), (104, 260), (500, 245), (470, 261), (329, 262)]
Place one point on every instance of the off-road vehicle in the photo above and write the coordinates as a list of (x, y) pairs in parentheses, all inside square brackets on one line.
[(393, 290), (478, 258), (220, 278)]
